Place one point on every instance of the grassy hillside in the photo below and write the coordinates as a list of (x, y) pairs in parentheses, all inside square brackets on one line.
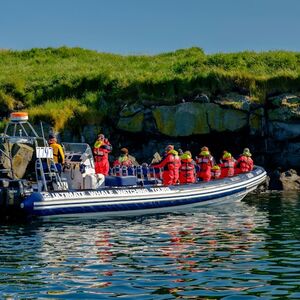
[(73, 86)]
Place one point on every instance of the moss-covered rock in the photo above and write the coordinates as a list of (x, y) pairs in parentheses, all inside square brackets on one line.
[(257, 122), (235, 101), (286, 100), (182, 120), (132, 123), (221, 120), (194, 118), (284, 114)]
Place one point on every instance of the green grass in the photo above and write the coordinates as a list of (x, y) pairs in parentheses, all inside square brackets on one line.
[(98, 84)]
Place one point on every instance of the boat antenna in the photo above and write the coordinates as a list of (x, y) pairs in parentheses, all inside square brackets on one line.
[(43, 135)]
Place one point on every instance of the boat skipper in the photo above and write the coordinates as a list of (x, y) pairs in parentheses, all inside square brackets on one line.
[(58, 152)]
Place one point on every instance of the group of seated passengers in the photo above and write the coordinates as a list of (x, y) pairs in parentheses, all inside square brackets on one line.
[(180, 168)]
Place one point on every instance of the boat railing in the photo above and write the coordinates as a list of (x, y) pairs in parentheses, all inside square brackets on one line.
[(47, 173), (143, 173)]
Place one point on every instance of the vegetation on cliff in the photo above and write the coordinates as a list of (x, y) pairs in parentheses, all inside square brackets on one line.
[(74, 86)]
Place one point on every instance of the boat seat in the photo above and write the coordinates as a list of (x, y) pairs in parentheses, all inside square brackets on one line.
[(120, 180)]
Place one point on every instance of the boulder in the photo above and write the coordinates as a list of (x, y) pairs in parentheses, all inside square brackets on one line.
[(286, 108), (132, 123), (290, 180), (284, 114), (285, 100), (235, 101), (282, 131), (257, 122), (190, 118)]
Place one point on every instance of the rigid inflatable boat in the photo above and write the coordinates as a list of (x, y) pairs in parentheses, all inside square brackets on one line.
[(31, 186)]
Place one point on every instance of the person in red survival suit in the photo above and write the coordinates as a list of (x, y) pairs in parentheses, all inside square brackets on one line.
[(177, 164), (227, 165), (205, 161), (215, 172), (102, 148), (244, 162), (187, 169), (168, 166)]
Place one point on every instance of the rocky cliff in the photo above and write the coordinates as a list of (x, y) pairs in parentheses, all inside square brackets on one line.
[(233, 121)]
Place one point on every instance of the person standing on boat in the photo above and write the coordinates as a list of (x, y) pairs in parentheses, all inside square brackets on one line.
[(227, 165), (58, 152), (205, 161), (244, 162), (177, 164), (187, 169), (102, 148), (168, 165)]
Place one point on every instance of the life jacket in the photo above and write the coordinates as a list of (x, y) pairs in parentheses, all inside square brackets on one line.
[(244, 163), (101, 150), (187, 171), (204, 162), (123, 161), (227, 168), (215, 173)]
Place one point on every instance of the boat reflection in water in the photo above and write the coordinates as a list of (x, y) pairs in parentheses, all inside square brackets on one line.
[(166, 251), (246, 249)]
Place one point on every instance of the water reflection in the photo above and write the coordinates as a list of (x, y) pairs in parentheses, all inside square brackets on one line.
[(244, 249)]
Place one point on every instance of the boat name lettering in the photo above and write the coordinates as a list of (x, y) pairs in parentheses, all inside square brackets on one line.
[(65, 195), (131, 192), (249, 175), (160, 189), (100, 193)]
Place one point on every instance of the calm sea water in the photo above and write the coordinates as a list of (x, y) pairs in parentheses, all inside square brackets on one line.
[(246, 250)]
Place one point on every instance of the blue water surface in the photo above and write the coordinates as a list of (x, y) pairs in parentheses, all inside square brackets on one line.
[(247, 250)]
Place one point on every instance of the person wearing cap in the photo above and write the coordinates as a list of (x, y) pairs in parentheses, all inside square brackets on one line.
[(124, 159), (204, 161), (58, 152), (101, 149), (168, 165), (187, 173), (244, 162), (227, 165)]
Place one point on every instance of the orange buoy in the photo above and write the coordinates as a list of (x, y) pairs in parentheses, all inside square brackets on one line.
[(19, 116)]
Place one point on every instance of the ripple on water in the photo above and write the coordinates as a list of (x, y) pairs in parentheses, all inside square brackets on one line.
[(246, 250)]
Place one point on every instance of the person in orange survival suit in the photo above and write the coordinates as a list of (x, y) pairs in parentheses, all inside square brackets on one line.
[(102, 148), (215, 172), (168, 166), (227, 165), (187, 169), (205, 161), (177, 164), (244, 162)]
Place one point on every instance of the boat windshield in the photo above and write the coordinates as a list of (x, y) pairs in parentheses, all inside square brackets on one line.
[(77, 152)]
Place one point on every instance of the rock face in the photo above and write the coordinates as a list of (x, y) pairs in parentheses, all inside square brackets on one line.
[(271, 129)]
